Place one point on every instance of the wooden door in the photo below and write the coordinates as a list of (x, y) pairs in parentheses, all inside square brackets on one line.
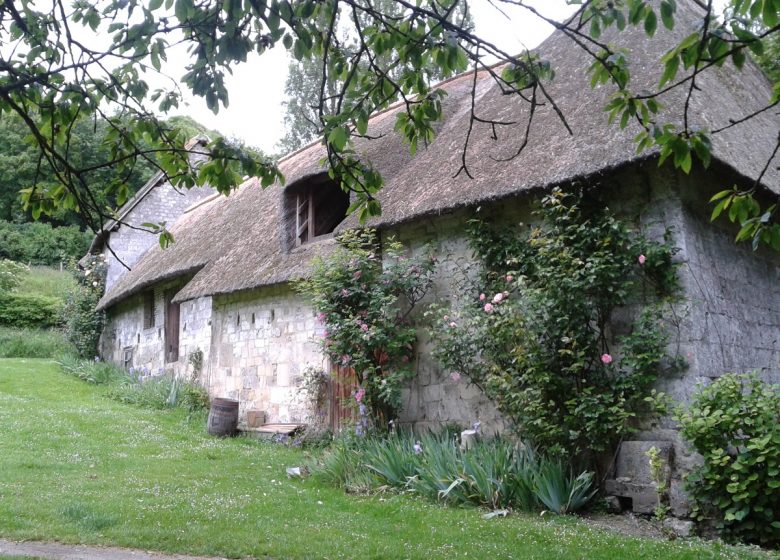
[(341, 403), (171, 328)]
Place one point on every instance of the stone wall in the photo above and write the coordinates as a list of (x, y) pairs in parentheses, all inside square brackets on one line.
[(729, 319), (162, 203), (195, 324), (262, 341), (433, 398), (257, 343), (126, 341)]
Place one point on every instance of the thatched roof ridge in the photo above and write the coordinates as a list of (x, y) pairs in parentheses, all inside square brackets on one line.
[(253, 249)]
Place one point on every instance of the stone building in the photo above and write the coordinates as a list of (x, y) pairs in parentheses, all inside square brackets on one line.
[(222, 291)]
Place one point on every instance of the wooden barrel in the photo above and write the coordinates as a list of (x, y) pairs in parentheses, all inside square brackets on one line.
[(223, 417)]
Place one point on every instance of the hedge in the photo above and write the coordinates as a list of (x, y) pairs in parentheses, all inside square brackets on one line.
[(29, 310)]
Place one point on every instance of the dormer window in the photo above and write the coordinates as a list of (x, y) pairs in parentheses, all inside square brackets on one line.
[(320, 205)]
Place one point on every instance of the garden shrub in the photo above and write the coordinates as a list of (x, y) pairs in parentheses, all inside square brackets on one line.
[(83, 323), (364, 300), (26, 311), (11, 274), (32, 343), (734, 423), (535, 333), (495, 473)]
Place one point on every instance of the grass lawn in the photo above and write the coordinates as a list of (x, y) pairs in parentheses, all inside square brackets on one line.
[(77, 467), (47, 281)]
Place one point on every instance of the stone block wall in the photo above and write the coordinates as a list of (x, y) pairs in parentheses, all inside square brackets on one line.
[(262, 341), (195, 322), (162, 203), (124, 335)]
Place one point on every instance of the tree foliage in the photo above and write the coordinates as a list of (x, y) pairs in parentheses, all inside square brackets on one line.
[(303, 88), (52, 75), (41, 244)]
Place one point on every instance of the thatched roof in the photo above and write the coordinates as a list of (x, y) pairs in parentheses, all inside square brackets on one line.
[(240, 242)]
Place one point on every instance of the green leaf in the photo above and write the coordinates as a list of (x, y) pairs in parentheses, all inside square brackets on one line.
[(338, 138), (651, 23), (670, 70), (770, 13), (721, 194), (667, 13), (719, 207), (738, 58)]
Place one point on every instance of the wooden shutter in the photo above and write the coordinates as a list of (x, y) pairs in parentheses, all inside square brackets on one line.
[(343, 383), (171, 328)]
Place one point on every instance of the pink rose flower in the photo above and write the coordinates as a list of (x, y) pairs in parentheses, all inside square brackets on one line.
[(509, 278), (642, 259), (453, 324), (498, 298), (481, 297), (606, 359), (488, 308), (455, 376)]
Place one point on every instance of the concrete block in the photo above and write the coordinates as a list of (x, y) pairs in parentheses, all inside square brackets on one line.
[(633, 463), (643, 496)]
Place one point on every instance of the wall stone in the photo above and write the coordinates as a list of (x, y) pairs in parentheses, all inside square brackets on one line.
[(262, 341), (162, 203), (124, 335)]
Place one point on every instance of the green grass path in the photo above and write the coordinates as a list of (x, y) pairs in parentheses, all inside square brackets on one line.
[(76, 467)]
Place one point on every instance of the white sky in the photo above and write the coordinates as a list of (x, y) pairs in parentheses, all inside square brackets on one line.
[(256, 87)]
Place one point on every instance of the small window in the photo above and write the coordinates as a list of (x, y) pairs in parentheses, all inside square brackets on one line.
[(127, 357), (149, 310), (320, 205)]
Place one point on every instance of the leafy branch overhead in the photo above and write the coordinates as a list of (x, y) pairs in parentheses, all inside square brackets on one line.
[(368, 57)]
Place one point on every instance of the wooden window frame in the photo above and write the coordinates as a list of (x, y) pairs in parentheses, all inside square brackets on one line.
[(304, 217), (150, 310), (310, 205)]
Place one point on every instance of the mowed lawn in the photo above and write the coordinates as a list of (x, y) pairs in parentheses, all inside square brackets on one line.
[(77, 467)]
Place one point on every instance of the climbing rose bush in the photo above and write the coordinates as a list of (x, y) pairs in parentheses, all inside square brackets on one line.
[(533, 328), (363, 295)]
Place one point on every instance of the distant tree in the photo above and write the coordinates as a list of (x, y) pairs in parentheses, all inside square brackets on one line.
[(22, 166), (304, 85)]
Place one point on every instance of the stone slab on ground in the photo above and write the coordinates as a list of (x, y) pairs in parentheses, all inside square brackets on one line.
[(60, 551)]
